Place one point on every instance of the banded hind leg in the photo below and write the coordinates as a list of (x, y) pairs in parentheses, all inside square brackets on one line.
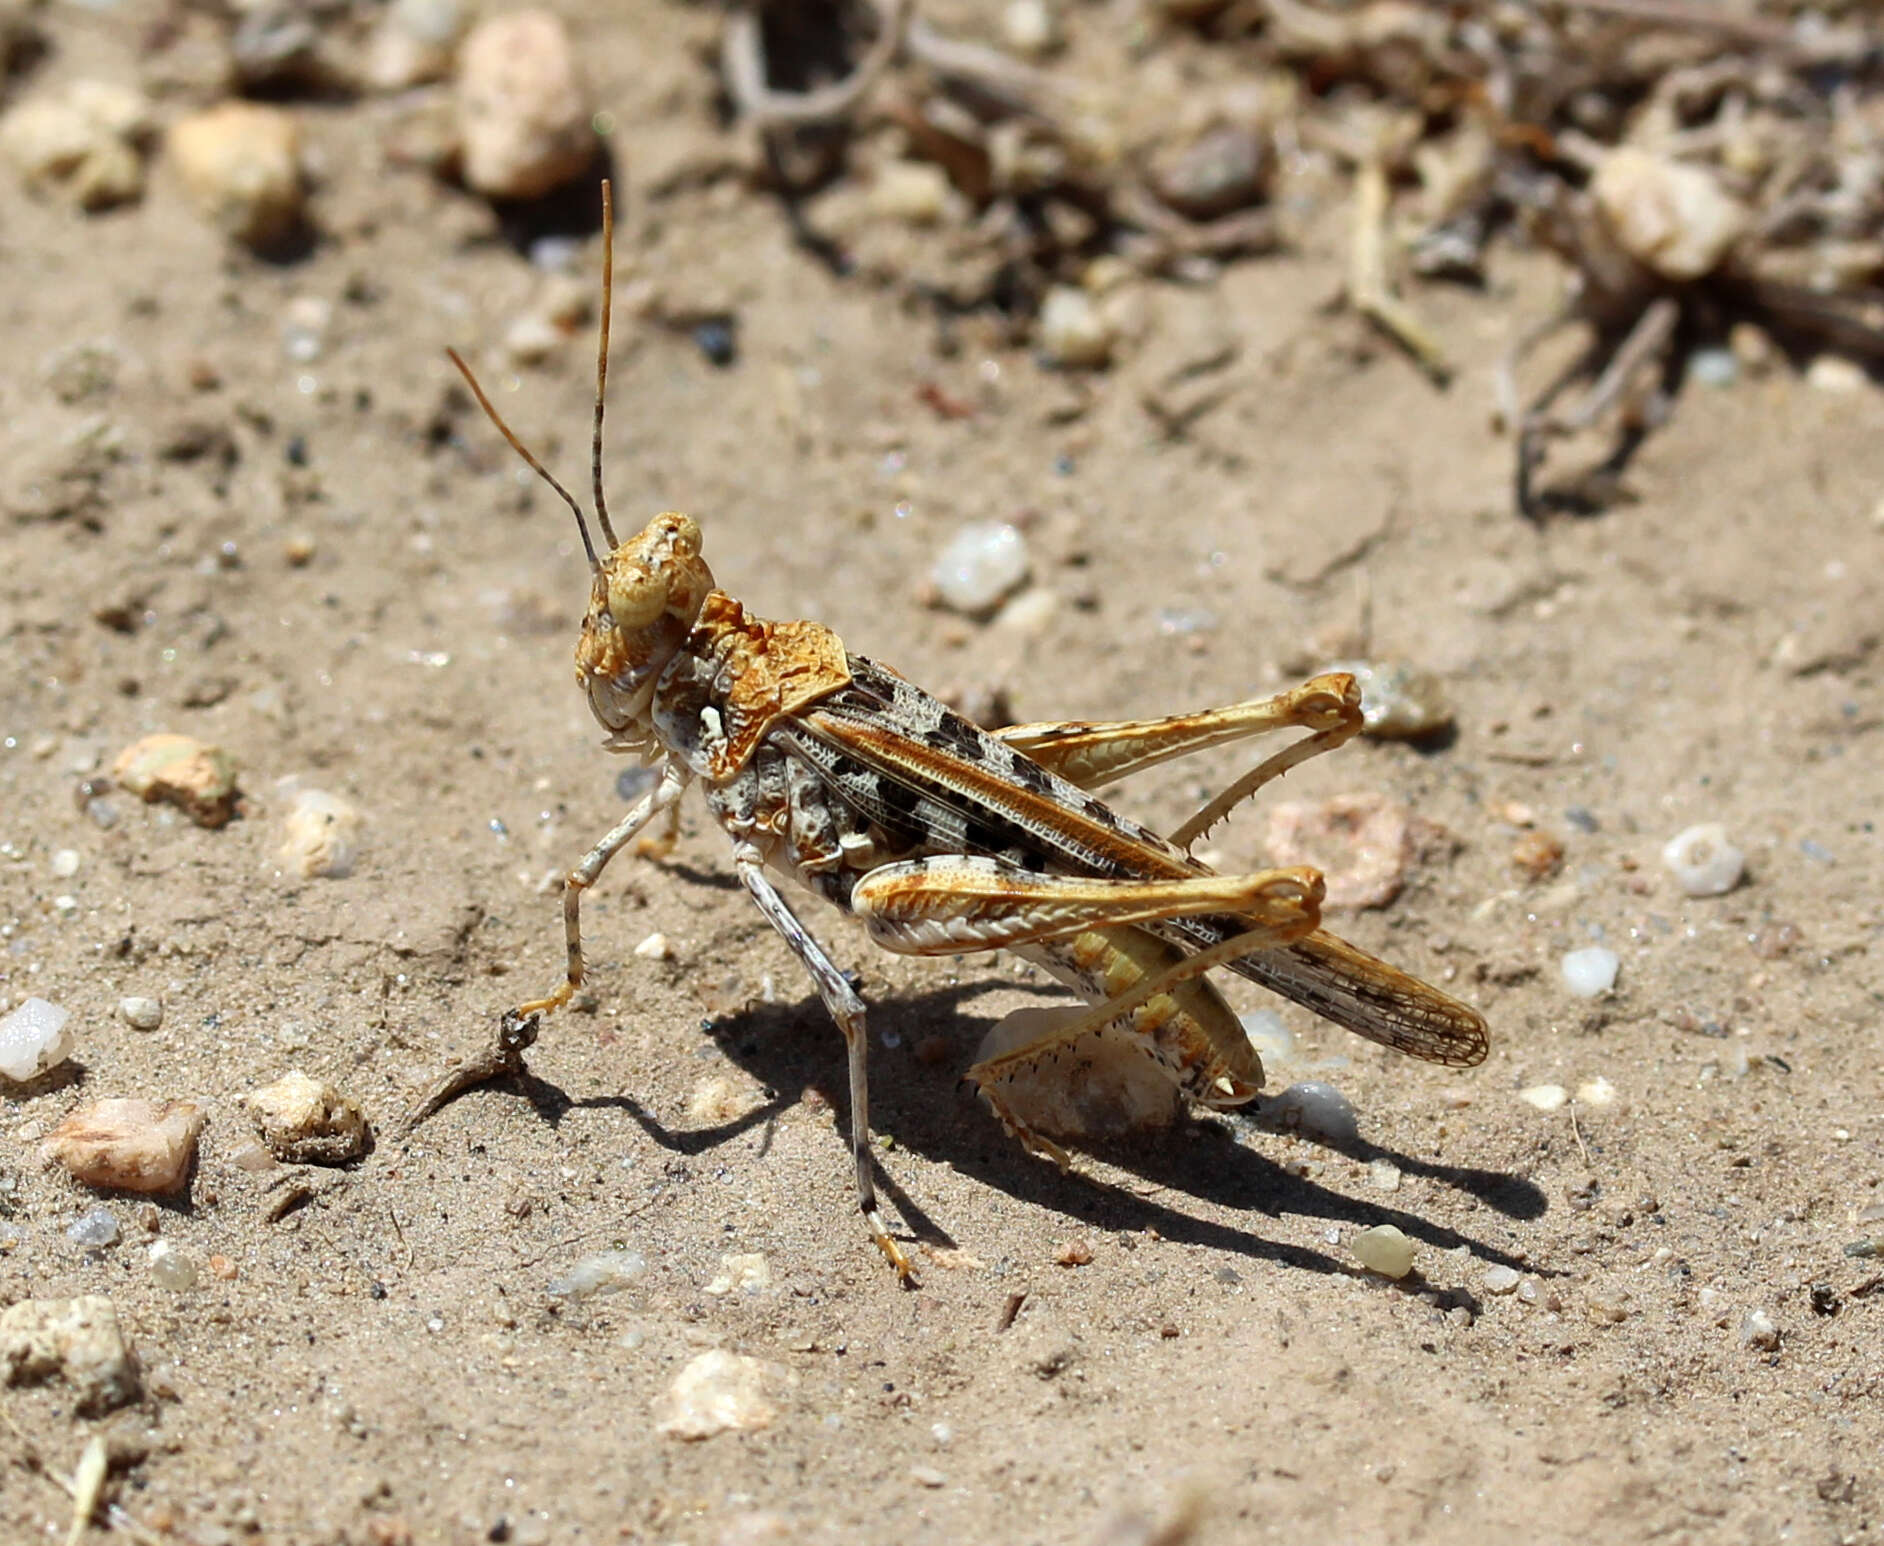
[(1092, 753), (1145, 987)]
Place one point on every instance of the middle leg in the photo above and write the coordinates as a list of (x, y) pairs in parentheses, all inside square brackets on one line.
[(847, 1009)]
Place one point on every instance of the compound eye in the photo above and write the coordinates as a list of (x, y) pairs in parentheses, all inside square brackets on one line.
[(636, 600)]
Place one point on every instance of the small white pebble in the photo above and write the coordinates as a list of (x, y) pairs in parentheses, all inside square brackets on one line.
[(1704, 862), (1500, 1280), (530, 339), (1074, 332), (171, 1268), (1030, 28), (981, 564), (1546, 1097), (65, 863), (1590, 971), (96, 1227), (743, 1272), (1835, 373), (1383, 1249), (655, 948), (606, 1272), (1383, 1175), (1030, 613), (1317, 1109), (1713, 367), (141, 1014), (33, 1039), (1596, 1092), (927, 1476), (1758, 1331)]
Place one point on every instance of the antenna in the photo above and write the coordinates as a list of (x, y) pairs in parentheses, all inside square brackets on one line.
[(601, 358), (601, 389)]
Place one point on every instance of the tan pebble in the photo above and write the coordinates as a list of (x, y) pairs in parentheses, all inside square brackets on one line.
[(298, 551), (1075, 1253), (530, 339), (714, 1100), (321, 836), (1537, 856), (523, 109), (178, 769), (1751, 347), (128, 1145), (413, 44), (1384, 1249), (241, 162), (77, 1341), (1224, 169), (82, 144), (1672, 216), (1362, 844), (307, 1122), (655, 948), (1030, 613), (1031, 28), (1072, 331), (717, 1392), (743, 1272), (1835, 373), (220, 1266), (914, 192)]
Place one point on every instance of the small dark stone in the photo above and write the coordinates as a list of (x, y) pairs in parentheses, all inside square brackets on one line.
[(717, 338)]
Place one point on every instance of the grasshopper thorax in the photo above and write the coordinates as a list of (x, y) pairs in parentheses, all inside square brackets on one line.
[(645, 598)]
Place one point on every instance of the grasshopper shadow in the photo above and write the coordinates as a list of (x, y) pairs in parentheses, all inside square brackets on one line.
[(792, 1049)]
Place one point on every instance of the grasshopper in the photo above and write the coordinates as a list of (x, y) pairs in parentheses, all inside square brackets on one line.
[(832, 771)]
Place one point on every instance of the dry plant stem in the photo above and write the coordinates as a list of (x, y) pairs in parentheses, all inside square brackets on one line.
[(1648, 340), (742, 61), (503, 1059), (1170, 237), (75, 1488), (1710, 17), (1018, 87), (1368, 290)]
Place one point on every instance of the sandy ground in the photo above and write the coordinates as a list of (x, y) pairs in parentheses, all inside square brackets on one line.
[(385, 1361)]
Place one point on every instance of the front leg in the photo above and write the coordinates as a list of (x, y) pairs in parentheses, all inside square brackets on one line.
[(517, 1029), (847, 1009)]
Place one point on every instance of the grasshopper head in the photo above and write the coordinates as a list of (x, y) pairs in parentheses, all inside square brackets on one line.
[(646, 594)]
